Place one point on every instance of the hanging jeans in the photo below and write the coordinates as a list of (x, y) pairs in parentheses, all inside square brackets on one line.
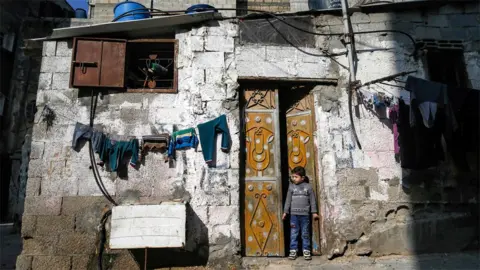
[(81, 132), (207, 132), (114, 151), (299, 225)]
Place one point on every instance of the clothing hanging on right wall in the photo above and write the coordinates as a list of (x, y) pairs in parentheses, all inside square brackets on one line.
[(208, 131)]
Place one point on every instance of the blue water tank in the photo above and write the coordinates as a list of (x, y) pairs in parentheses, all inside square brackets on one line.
[(80, 13), (324, 4), (132, 11), (200, 8)]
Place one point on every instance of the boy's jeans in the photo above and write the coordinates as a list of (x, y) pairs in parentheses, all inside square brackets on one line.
[(299, 224)]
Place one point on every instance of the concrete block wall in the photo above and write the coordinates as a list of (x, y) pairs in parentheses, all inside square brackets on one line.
[(64, 205), (365, 202)]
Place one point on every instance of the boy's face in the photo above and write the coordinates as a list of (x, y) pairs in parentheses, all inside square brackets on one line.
[(297, 179)]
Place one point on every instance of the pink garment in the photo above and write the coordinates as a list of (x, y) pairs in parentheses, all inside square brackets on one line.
[(393, 115)]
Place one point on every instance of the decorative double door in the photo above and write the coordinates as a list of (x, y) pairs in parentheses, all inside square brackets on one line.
[(268, 127)]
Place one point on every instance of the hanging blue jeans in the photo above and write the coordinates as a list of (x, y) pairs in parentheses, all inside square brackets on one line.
[(299, 225)]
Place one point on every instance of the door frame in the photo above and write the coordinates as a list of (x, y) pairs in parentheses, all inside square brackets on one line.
[(279, 83)]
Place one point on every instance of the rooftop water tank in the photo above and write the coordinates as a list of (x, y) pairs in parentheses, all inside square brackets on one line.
[(200, 8), (324, 4), (80, 13), (129, 10)]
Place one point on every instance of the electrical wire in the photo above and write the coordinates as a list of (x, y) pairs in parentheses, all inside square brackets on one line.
[(96, 174), (162, 12), (305, 52), (103, 239)]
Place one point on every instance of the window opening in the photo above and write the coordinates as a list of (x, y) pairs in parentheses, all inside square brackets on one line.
[(151, 66)]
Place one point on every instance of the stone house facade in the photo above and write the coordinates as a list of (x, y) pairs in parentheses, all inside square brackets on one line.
[(365, 206)]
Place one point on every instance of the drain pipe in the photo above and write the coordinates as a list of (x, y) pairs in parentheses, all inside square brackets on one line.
[(352, 80)]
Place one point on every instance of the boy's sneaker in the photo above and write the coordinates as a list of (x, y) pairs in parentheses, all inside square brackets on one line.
[(292, 255), (307, 255)]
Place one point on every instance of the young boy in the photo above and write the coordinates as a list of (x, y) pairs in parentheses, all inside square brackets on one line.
[(299, 204)]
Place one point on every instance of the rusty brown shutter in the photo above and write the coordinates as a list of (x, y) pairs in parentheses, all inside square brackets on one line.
[(98, 63)]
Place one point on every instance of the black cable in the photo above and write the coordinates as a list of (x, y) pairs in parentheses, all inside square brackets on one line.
[(96, 174), (103, 239), (158, 11), (305, 52)]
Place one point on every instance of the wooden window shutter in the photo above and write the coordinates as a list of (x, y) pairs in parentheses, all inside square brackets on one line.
[(98, 63)]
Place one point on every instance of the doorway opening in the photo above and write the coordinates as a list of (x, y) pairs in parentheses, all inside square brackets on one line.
[(278, 135)]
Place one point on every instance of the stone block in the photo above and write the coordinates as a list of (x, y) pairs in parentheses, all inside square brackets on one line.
[(280, 54), (212, 92), (219, 44), (61, 81), (214, 76), (76, 243), (201, 198), (352, 192), (220, 215), (134, 115), (197, 43), (77, 204), (49, 48), (47, 225), (64, 48), (56, 64), (124, 261), (209, 60), (358, 17), (43, 206), (382, 17), (59, 185), (452, 9), (220, 235), (40, 245), (328, 20), (454, 33), (83, 262), (410, 16), (33, 186), (357, 177), (45, 81), (51, 262), (28, 226), (463, 20), (438, 21), (24, 262), (251, 53)]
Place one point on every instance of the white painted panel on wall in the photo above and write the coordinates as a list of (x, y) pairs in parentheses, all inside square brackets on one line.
[(148, 226)]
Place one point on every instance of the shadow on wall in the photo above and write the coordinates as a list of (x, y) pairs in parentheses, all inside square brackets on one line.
[(196, 252), (434, 206)]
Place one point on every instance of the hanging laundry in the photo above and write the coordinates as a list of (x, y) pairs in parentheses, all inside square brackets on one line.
[(155, 142), (427, 96), (378, 100), (98, 139), (183, 139), (420, 147), (81, 132), (208, 131), (113, 152), (393, 116)]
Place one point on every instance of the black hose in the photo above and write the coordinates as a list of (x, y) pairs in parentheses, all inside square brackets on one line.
[(96, 174), (103, 239)]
